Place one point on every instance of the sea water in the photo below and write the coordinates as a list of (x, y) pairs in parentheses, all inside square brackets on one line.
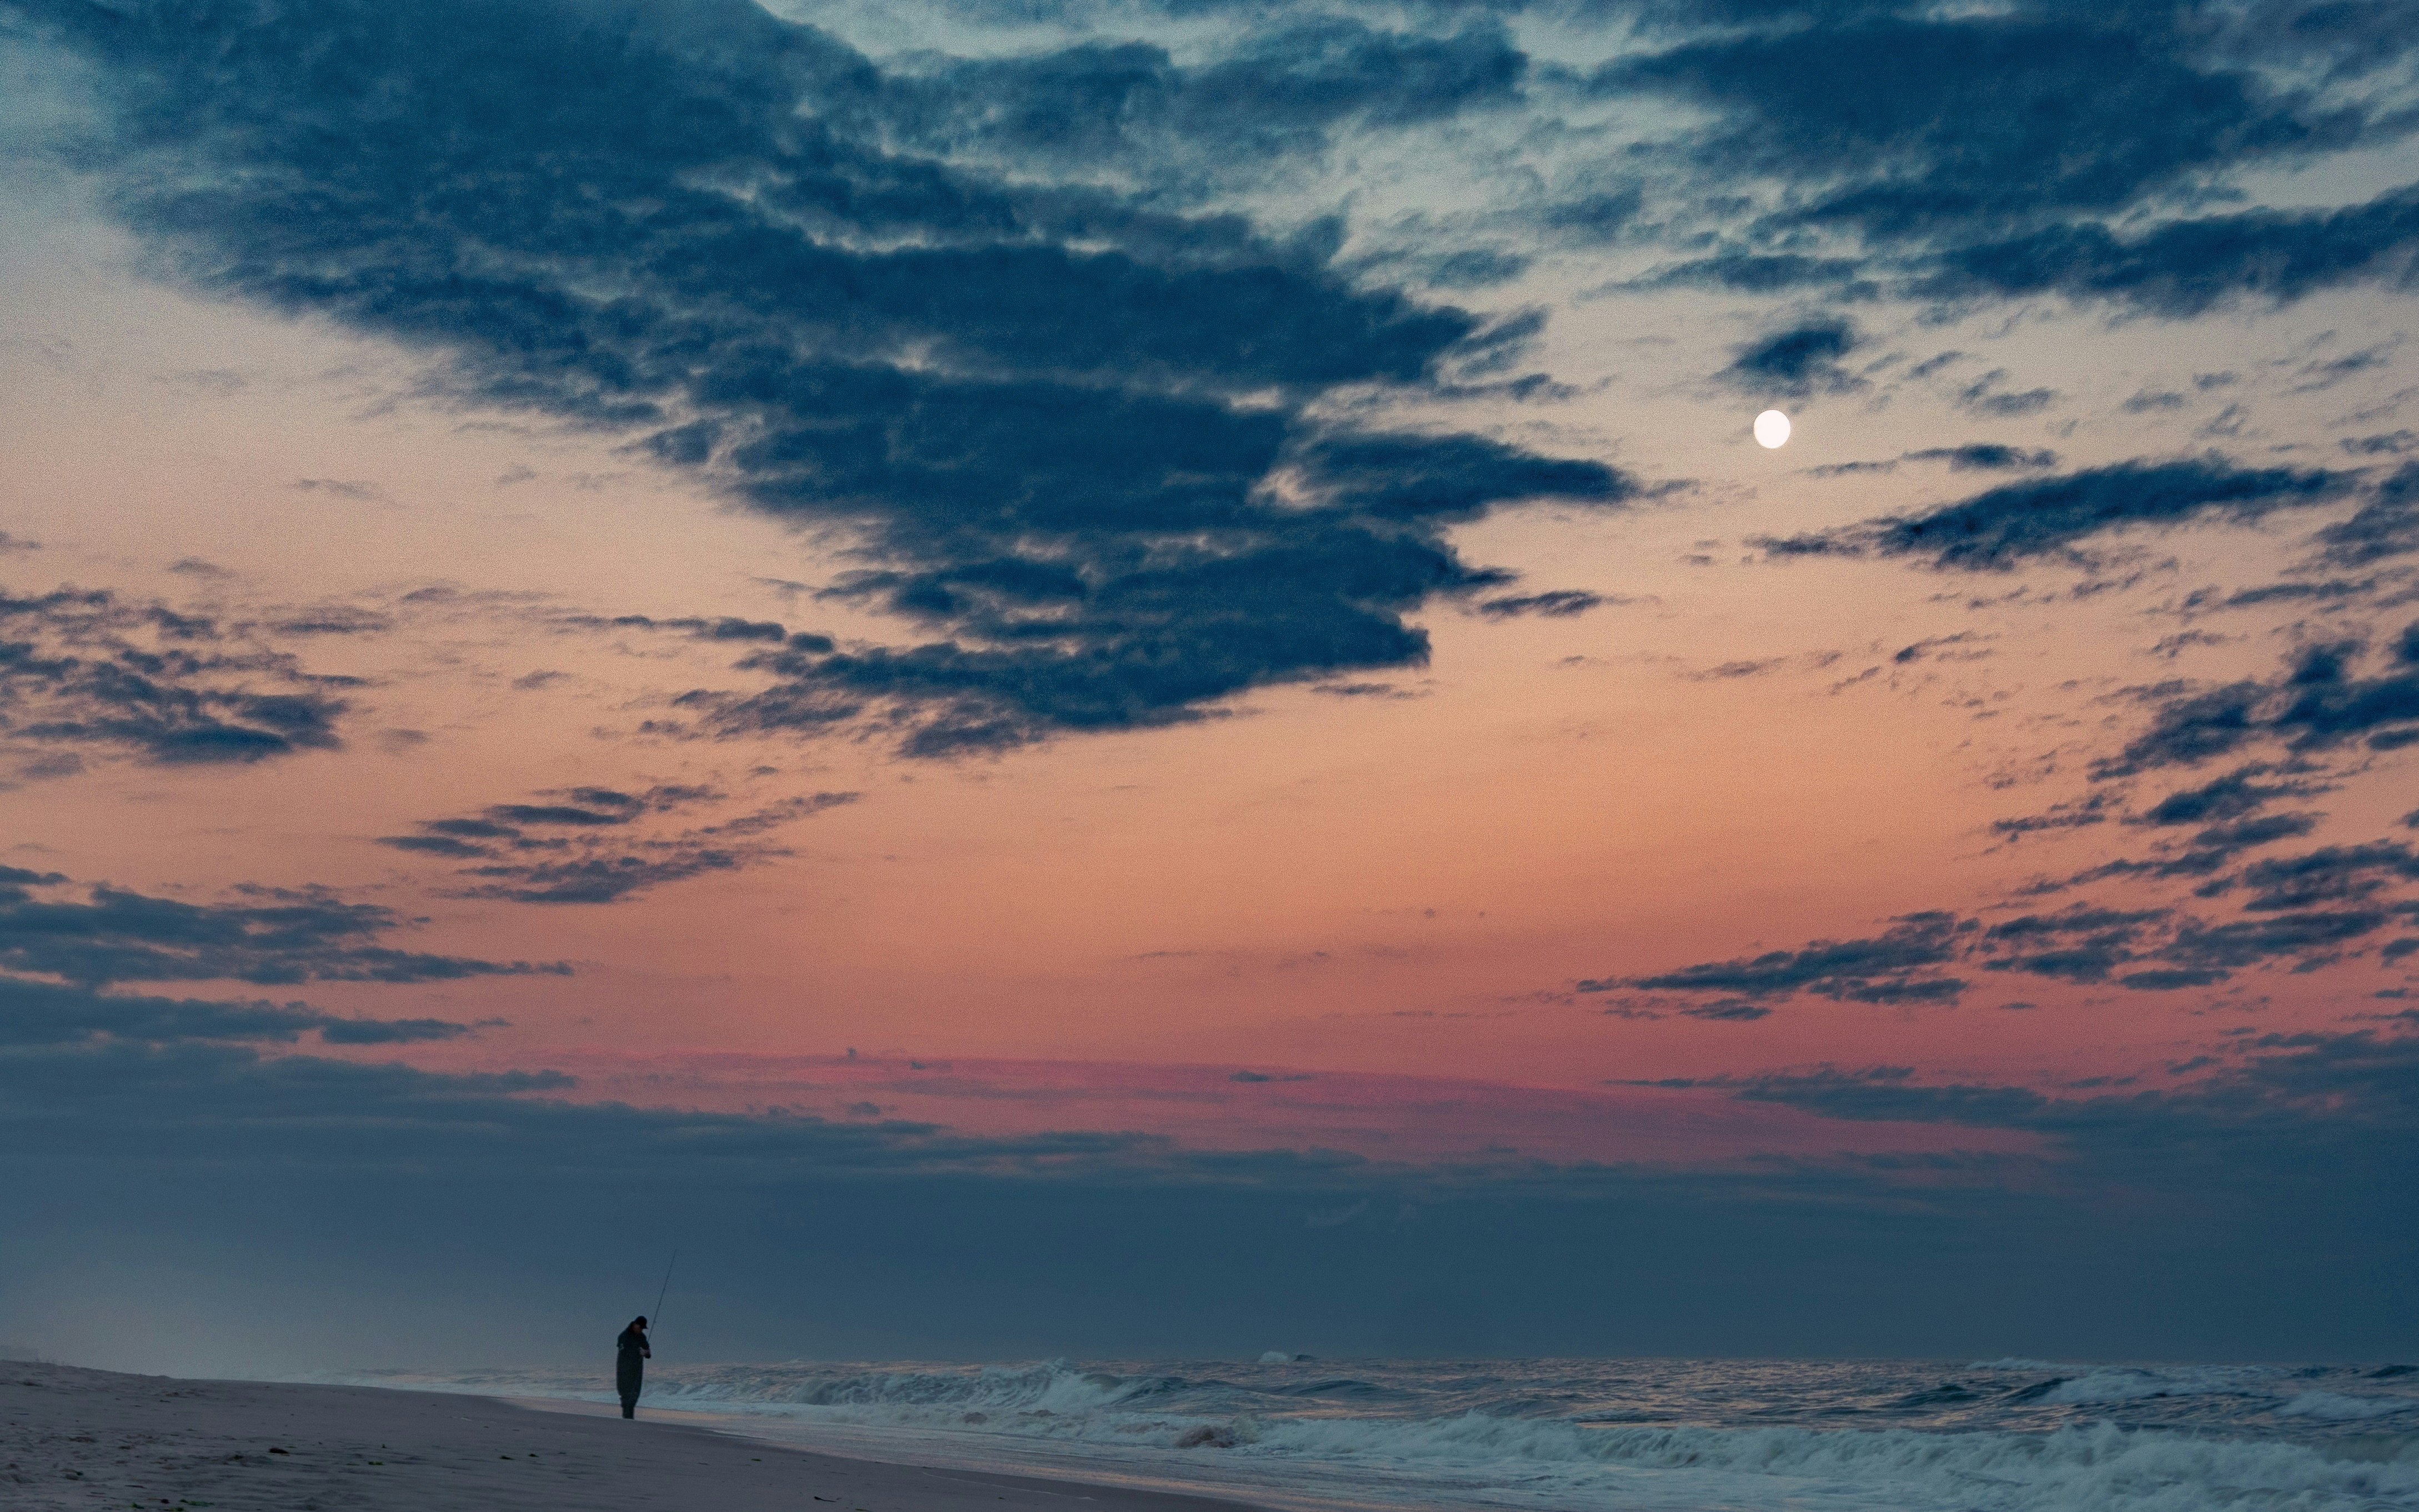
[(1592, 1435)]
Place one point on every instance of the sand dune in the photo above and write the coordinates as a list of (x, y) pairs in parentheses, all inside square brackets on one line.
[(93, 1439)]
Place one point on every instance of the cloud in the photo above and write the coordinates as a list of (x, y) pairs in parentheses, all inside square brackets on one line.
[(721, 628), (1283, 92), (1802, 360), (2081, 944), (598, 847), (1560, 603), (1879, 969), (2184, 267), (2302, 909), (1898, 124), (1727, 1011), (331, 1180), (2230, 797), (333, 619), (273, 937), (2246, 942), (2219, 844), (2331, 874), (2393, 443), (49, 1014), (2317, 702), (2386, 525), (974, 374), (353, 489), (1986, 457), (90, 669), (1984, 396), (2008, 525)]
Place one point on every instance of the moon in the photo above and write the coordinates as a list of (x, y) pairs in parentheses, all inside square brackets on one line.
[(1771, 430)]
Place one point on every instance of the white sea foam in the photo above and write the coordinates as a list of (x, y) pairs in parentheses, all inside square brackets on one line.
[(2334, 1406), (2135, 1385), (1310, 1435)]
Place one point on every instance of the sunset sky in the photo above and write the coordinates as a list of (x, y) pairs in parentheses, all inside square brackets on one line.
[(1105, 678)]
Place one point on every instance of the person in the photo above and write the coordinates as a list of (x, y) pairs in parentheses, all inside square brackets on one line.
[(631, 1354)]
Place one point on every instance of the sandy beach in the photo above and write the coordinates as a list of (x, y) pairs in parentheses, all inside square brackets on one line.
[(86, 1439)]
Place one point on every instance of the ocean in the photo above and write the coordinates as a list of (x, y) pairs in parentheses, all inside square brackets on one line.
[(1312, 1435)]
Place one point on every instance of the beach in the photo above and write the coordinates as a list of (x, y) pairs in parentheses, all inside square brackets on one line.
[(71, 1438)]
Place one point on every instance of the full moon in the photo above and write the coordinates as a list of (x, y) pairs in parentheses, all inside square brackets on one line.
[(1771, 430)]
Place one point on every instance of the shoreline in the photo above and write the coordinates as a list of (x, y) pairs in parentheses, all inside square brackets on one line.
[(77, 1439)]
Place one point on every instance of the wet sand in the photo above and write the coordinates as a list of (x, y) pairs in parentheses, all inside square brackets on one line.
[(93, 1439)]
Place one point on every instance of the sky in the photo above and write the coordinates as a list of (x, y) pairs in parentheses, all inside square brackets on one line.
[(1119, 678)]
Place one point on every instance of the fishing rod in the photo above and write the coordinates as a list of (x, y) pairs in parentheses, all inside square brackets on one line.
[(655, 1319)]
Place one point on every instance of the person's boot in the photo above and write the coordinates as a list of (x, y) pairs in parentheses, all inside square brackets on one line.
[(629, 1409)]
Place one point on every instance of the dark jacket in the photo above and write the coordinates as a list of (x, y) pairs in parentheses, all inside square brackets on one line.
[(631, 1354)]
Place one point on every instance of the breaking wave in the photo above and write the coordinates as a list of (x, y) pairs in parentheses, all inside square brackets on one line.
[(2013, 1435)]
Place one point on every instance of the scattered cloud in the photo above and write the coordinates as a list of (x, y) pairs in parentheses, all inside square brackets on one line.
[(272, 936), (596, 845), (92, 670), (1799, 362), (1560, 603), (2319, 701), (2020, 522)]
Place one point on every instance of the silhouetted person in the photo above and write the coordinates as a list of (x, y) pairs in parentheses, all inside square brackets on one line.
[(631, 1355)]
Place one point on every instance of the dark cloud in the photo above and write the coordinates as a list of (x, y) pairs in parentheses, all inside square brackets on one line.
[(1899, 125), (2219, 844), (482, 1199), (1876, 970), (2170, 978), (2238, 1113), (38, 1014), (2186, 267), (2317, 377), (724, 627), (1798, 361), (1986, 395), (2319, 701), (1559, 603), (273, 937), (332, 1181), (2246, 942), (2021, 520), (1727, 1011), (1753, 273), (2236, 794), (2300, 910), (92, 671), (2079, 815), (1875, 1093), (601, 847), (332, 619), (1283, 92), (2386, 525), (2331, 874), (694, 224), (2081, 944), (389, 1031), (1986, 457), (2395, 443)]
